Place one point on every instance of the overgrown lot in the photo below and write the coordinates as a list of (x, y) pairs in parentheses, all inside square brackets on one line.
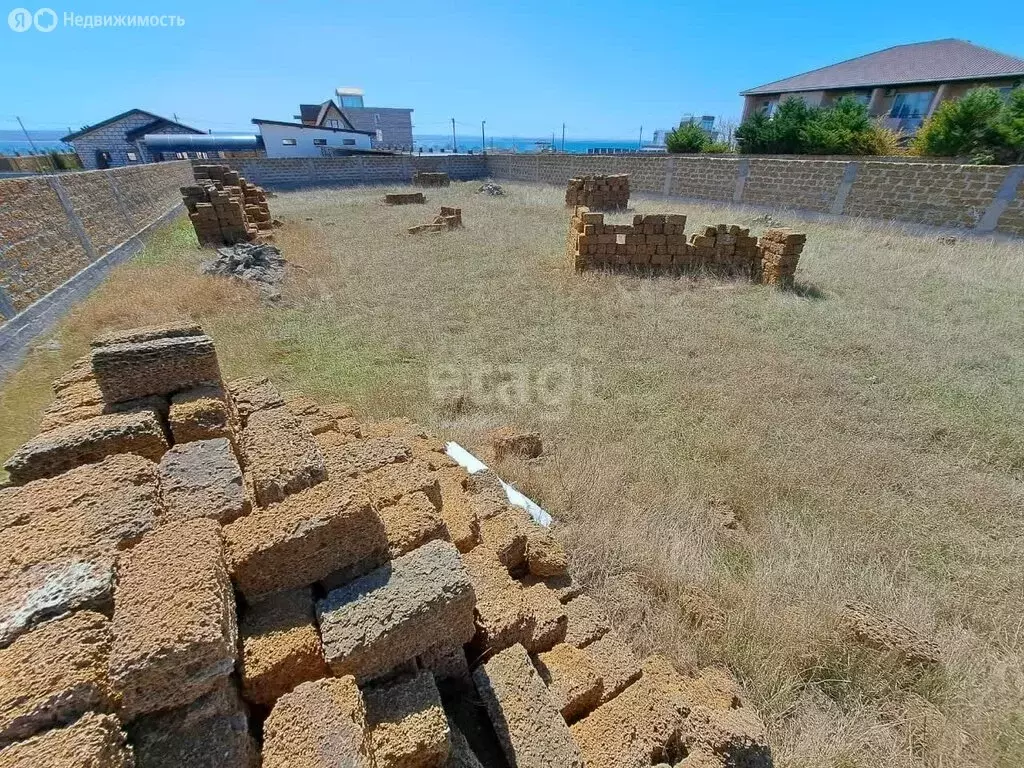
[(728, 464)]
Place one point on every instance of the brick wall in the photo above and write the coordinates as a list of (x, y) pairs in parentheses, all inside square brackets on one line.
[(292, 173), (984, 198), (51, 227)]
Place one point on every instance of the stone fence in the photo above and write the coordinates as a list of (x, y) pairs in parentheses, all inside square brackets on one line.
[(978, 197)]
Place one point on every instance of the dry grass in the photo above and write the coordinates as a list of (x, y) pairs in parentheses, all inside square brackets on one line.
[(862, 440)]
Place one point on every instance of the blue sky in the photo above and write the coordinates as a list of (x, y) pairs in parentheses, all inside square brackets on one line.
[(604, 68)]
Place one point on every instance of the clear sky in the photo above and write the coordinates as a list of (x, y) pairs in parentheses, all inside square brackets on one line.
[(525, 66)]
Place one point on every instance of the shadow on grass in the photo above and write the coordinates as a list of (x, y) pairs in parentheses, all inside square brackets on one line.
[(809, 291)]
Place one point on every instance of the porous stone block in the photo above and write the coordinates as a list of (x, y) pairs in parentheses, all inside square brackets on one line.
[(873, 629), (587, 622), (202, 479), (160, 366), (92, 741), (545, 555), (348, 458), (457, 510), (61, 535), (528, 723), (408, 726), (252, 394), (506, 535), (510, 441), (147, 333), (446, 662), (174, 628), (390, 483), (321, 724), (573, 682), (280, 455), (563, 586), (411, 523), (304, 539), (87, 441), (397, 612), (200, 413), (615, 663), (54, 674), (550, 621), (503, 615), (280, 646), (735, 737), (210, 732)]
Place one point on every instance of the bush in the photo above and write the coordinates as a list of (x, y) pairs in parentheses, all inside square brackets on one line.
[(717, 148), (879, 140), (843, 128), (1009, 128), (688, 137), (964, 127)]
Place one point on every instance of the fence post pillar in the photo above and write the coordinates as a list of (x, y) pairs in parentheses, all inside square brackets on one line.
[(849, 176), (670, 171), (1004, 196), (742, 172), (73, 220)]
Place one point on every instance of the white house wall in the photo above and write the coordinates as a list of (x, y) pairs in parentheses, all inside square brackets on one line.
[(275, 135)]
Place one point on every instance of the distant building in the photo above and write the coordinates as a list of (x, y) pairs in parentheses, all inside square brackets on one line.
[(118, 141), (282, 139), (391, 126), (903, 84)]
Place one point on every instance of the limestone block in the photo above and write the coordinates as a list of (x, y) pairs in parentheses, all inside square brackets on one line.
[(54, 674), (202, 479), (304, 539), (456, 510), (503, 615), (308, 411), (573, 683), (87, 441), (411, 523), (869, 627), (252, 394), (506, 535), (733, 736), (355, 457), (174, 628), (509, 441), (408, 726), (161, 366), (92, 741), (526, 720), (550, 621), (210, 732), (587, 622), (563, 586), (199, 414), (545, 555), (390, 483), (147, 333), (446, 662), (321, 724), (280, 646), (615, 663), (397, 612), (280, 455)]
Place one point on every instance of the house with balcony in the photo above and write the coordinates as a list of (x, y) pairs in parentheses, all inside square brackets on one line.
[(903, 84)]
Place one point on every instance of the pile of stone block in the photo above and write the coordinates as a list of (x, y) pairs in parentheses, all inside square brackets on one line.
[(224, 208), (405, 198), (658, 241), (430, 179), (242, 576), (449, 218), (780, 253), (599, 193)]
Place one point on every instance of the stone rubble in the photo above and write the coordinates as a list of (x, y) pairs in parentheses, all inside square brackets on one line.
[(276, 582), (260, 264)]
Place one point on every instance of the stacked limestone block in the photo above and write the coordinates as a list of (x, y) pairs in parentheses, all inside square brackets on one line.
[(780, 251), (280, 583), (430, 179), (224, 208), (600, 193), (405, 198), (449, 218), (726, 250)]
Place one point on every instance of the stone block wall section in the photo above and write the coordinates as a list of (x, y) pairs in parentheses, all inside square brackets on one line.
[(978, 197), (52, 227), (159, 608)]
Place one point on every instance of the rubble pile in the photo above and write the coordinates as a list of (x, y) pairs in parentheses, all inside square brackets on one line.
[(449, 218), (224, 208), (259, 263), (430, 179), (659, 241), (598, 192), (199, 573), (490, 188)]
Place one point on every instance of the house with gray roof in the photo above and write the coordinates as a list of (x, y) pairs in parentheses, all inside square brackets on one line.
[(903, 84), (391, 127), (118, 140)]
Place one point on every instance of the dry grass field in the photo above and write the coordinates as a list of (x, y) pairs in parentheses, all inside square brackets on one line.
[(728, 464)]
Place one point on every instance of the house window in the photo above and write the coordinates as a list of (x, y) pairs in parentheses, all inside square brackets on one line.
[(181, 155), (911, 105), (320, 142), (333, 123), (288, 142), (769, 106), (132, 157), (348, 141)]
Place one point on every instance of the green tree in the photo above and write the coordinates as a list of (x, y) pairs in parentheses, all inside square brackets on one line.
[(1009, 128), (688, 137), (755, 135), (964, 127), (839, 129)]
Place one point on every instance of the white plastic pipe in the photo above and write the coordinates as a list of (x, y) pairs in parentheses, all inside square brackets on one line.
[(473, 465)]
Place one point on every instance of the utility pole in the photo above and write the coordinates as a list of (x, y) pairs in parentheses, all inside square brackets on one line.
[(454, 145), (641, 142), (563, 137), (30, 142), (483, 137)]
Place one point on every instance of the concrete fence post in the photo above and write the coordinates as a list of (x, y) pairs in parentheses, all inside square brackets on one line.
[(849, 176), (122, 204), (72, 216), (670, 171), (311, 171), (742, 172), (7, 308), (1004, 196)]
